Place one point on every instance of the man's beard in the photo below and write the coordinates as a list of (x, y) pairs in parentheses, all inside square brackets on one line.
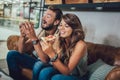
[(50, 27)]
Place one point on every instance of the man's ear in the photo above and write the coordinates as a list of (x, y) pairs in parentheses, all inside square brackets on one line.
[(56, 22)]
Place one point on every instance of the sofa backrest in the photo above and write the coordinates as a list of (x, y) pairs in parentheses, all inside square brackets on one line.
[(109, 54), (12, 42)]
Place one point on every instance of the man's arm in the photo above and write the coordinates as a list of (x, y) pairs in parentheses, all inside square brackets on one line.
[(28, 30), (21, 43), (24, 44)]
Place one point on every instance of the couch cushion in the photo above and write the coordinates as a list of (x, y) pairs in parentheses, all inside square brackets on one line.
[(99, 70), (117, 58)]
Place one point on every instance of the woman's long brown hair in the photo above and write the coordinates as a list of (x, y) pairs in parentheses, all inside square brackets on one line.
[(78, 34)]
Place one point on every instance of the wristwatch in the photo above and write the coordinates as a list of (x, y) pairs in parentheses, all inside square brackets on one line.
[(54, 58), (34, 42)]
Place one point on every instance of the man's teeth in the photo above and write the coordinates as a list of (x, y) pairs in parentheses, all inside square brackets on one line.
[(62, 32)]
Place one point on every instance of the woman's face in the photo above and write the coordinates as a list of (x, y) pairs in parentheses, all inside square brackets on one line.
[(64, 29)]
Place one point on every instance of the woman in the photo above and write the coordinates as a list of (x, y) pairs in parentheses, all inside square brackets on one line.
[(71, 62)]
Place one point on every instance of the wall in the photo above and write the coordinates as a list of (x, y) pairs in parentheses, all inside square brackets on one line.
[(101, 27)]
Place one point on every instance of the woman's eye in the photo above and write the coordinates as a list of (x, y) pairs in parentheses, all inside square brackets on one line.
[(66, 26), (48, 16), (60, 25)]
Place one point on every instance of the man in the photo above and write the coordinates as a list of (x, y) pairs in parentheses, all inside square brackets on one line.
[(18, 59)]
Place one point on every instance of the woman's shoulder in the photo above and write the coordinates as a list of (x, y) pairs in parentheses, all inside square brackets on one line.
[(81, 43), (82, 46)]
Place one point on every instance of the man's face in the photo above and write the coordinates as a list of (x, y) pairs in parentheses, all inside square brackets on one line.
[(48, 20)]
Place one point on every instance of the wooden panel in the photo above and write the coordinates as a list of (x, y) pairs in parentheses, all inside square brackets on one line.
[(98, 1), (111, 0), (50, 2), (75, 1), (103, 1)]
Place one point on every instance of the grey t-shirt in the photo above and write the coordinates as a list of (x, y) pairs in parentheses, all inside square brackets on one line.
[(81, 68)]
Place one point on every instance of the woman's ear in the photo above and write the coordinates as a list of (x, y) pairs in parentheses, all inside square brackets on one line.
[(56, 22)]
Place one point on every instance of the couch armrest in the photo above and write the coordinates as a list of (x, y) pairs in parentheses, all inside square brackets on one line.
[(12, 42), (114, 74)]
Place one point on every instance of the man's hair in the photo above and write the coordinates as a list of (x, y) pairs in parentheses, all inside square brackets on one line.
[(57, 11)]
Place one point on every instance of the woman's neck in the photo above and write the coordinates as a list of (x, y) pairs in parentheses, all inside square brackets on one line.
[(67, 40)]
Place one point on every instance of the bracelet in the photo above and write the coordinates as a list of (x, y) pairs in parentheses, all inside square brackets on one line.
[(54, 58), (34, 42)]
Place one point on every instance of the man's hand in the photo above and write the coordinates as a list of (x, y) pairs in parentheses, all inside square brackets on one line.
[(22, 30), (27, 30)]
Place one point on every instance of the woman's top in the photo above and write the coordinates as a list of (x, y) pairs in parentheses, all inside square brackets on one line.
[(81, 68)]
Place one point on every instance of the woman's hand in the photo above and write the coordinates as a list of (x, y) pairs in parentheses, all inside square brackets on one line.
[(56, 45), (47, 46)]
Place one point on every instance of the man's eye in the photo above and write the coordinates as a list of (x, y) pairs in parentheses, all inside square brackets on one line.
[(48, 16)]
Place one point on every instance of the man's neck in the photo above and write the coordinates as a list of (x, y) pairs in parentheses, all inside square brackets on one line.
[(50, 32)]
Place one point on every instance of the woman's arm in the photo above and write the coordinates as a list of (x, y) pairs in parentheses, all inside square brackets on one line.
[(77, 54), (43, 57)]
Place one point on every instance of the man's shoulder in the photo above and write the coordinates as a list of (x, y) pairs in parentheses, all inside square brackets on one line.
[(41, 33)]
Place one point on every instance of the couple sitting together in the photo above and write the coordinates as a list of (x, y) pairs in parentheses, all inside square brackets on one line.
[(60, 48)]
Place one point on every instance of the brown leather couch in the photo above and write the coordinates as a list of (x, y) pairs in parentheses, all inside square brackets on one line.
[(108, 54)]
